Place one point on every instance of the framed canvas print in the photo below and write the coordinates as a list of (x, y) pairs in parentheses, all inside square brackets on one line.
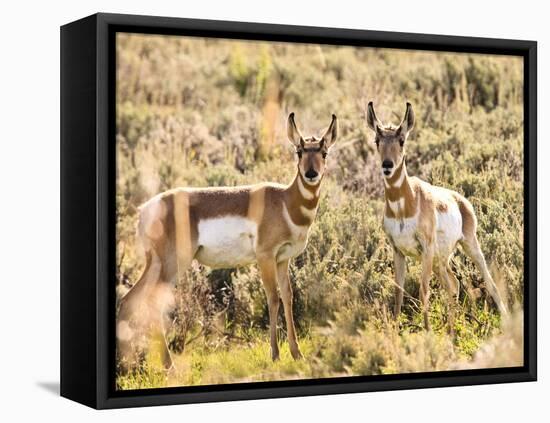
[(254, 211)]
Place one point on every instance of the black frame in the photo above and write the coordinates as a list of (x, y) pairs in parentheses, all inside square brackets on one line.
[(88, 209)]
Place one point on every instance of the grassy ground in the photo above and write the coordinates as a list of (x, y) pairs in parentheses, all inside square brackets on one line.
[(197, 112)]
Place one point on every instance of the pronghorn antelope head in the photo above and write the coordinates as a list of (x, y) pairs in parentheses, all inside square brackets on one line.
[(390, 140), (312, 151)]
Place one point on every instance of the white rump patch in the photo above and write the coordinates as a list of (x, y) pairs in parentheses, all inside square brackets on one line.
[(226, 242), (152, 213), (123, 331), (448, 229)]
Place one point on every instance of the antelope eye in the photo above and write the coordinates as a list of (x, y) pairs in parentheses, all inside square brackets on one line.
[(401, 141), (324, 155), (299, 153)]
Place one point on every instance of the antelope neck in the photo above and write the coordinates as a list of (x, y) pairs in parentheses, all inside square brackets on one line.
[(302, 200), (400, 198)]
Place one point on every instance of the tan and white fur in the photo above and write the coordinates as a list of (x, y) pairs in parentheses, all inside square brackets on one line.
[(424, 221), (226, 227)]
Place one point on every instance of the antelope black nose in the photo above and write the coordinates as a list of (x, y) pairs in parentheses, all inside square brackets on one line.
[(311, 174), (387, 164)]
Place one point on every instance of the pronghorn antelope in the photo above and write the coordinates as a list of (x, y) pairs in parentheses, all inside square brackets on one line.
[(225, 227), (422, 220)]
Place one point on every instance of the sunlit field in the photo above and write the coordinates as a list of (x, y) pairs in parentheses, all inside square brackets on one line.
[(194, 112)]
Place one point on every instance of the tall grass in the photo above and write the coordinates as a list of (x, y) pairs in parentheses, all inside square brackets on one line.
[(203, 112)]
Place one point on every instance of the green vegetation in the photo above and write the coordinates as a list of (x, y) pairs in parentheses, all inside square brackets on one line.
[(202, 112)]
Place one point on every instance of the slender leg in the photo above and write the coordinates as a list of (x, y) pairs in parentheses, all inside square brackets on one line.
[(164, 303), (133, 314), (286, 296), (454, 282), (473, 250), (452, 291), (427, 264), (131, 301), (399, 269), (154, 303), (268, 271), (473, 293)]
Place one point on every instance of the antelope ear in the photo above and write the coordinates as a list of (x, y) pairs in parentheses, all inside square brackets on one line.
[(407, 124), (372, 121), (332, 132), (294, 135)]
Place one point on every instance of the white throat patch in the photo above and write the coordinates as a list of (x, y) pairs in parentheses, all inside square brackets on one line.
[(399, 182), (296, 230), (308, 195)]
